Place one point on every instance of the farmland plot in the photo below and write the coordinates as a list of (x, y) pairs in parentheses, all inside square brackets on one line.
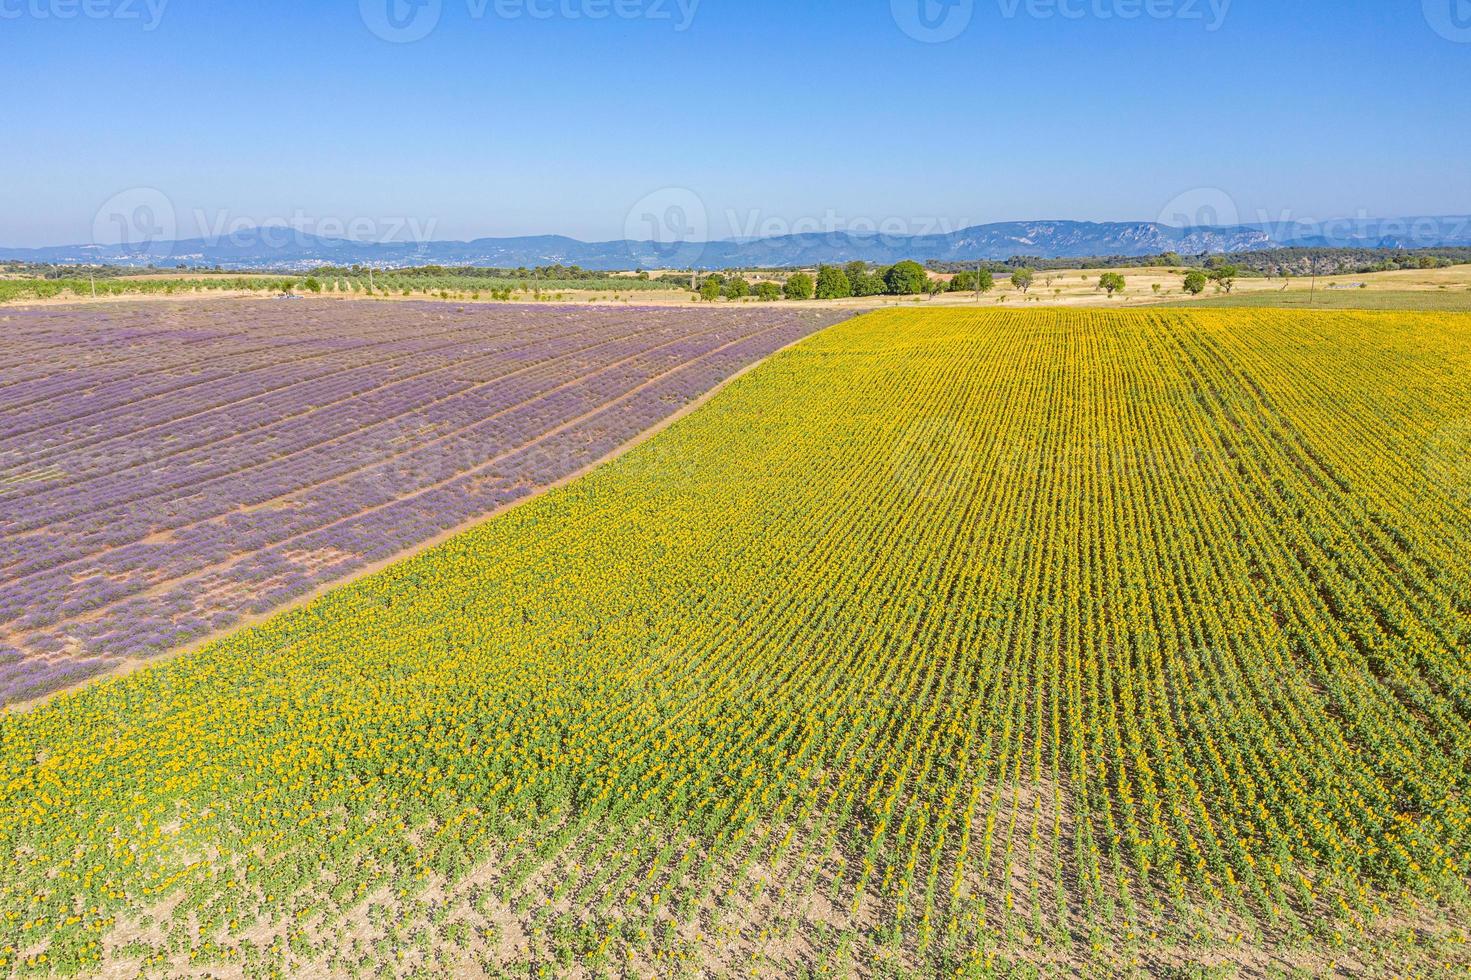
[(167, 471), (942, 644)]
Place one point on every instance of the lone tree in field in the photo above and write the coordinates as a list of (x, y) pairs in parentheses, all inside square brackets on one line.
[(1225, 276), (1195, 282), (906, 279), (833, 283), (711, 289), (766, 292), (1023, 278), (1111, 282), (799, 286), (737, 288)]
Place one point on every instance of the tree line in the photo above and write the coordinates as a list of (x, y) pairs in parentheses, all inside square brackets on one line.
[(905, 278), (1295, 261)]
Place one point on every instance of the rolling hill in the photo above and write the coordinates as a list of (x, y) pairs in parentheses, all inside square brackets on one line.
[(283, 248)]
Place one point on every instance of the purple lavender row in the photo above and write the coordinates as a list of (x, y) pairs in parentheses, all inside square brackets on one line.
[(90, 493), (231, 350), (449, 354), (40, 600), (189, 390), (255, 416), (373, 443), (276, 576), (98, 387), (250, 567)]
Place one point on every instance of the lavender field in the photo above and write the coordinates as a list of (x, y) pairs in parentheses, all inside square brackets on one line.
[(166, 470)]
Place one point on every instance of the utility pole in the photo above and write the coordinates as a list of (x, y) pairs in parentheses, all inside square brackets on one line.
[(978, 280), (94, 284), (370, 280)]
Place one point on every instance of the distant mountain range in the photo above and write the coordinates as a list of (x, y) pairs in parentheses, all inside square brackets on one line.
[(279, 248)]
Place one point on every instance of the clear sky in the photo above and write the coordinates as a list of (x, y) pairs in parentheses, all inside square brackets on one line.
[(517, 117)]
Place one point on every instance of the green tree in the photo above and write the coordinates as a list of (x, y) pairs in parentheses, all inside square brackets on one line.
[(963, 282), (288, 286), (906, 279), (766, 292), (870, 284), (1023, 278), (799, 286), (1111, 282), (313, 284), (985, 280), (833, 283), (1225, 276), (737, 288), (1195, 281), (711, 289), (855, 271)]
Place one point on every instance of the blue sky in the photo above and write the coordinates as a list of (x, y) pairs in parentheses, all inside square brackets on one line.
[(517, 117)]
